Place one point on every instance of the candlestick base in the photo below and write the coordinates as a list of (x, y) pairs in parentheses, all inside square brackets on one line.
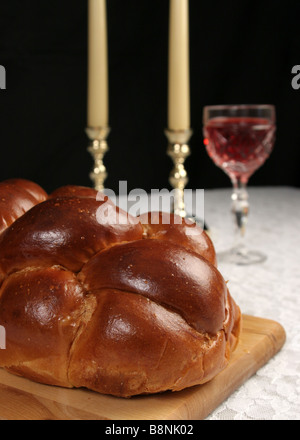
[(178, 150), (97, 148)]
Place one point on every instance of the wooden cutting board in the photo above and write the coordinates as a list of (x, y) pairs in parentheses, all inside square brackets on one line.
[(22, 399)]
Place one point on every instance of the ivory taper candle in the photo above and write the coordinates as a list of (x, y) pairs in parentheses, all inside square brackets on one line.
[(97, 65), (178, 80)]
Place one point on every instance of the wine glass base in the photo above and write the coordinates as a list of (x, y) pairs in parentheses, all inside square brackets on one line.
[(241, 256)]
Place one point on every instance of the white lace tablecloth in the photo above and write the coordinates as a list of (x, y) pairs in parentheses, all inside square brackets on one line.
[(270, 290)]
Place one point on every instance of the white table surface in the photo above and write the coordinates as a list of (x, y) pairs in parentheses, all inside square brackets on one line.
[(270, 290)]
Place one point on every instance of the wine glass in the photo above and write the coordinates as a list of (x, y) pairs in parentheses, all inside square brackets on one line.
[(239, 139)]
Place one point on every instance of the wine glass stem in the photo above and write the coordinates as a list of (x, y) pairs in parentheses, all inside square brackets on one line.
[(240, 209)]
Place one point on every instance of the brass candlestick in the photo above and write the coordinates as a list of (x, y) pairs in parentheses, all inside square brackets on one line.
[(98, 147), (178, 150)]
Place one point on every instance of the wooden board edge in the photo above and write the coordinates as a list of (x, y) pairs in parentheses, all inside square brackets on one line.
[(272, 340), (186, 405)]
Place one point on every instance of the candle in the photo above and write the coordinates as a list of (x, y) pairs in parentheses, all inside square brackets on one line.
[(178, 85), (97, 64)]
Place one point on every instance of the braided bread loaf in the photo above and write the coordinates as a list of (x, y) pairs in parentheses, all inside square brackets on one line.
[(122, 308)]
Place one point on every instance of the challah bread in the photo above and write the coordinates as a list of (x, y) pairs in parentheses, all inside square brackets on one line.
[(16, 197), (120, 307)]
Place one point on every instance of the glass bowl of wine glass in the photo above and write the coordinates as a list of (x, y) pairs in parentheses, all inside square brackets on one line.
[(239, 139)]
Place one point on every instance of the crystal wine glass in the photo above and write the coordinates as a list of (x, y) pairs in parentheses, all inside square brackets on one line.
[(239, 139)]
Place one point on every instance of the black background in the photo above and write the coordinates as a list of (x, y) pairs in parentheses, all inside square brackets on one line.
[(241, 51)]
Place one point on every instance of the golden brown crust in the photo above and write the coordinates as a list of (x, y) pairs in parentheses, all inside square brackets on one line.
[(169, 274), (159, 351), (93, 297), (16, 197), (74, 191), (40, 310), (172, 227), (63, 231)]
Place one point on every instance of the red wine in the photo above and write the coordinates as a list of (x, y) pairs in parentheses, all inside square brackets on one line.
[(239, 145)]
